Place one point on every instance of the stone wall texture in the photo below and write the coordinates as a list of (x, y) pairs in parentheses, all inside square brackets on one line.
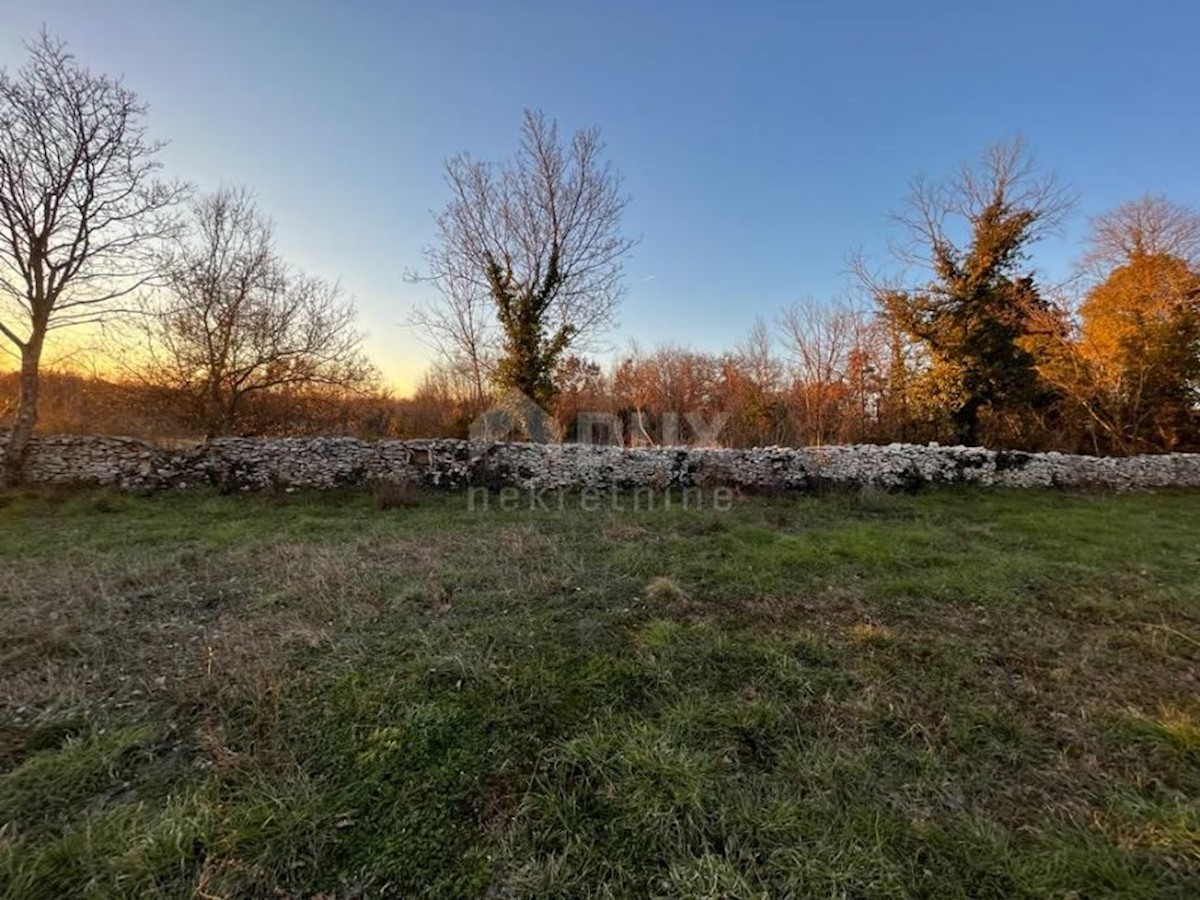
[(293, 463)]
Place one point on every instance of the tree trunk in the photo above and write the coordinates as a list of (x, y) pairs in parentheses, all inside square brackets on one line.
[(966, 423), (27, 403), (215, 416)]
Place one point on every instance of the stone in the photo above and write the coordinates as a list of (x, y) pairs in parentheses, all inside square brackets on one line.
[(236, 464)]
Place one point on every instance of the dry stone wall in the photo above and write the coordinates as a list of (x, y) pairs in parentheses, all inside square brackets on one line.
[(293, 463)]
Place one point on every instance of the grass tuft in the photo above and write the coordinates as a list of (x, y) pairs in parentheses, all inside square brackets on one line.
[(664, 590)]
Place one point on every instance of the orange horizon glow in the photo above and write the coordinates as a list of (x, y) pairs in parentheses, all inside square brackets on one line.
[(79, 351)]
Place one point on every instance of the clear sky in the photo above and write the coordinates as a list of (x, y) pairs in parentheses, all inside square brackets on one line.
[(761, 141)]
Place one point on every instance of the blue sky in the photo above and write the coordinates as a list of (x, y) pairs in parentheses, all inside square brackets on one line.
[(761, 141)]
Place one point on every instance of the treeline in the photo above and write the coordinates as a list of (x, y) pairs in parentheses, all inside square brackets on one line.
[(74, 403), (979, 353), (955, 337), (852, 382)]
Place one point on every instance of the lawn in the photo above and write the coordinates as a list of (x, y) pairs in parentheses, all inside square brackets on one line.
[(954, 693)]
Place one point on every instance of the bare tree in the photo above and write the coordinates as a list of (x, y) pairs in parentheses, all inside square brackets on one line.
[(756, 357), (528, 258), (1148, 226), (234, 321), (751, 377), (819, 340), (80, 207), (460, 328)]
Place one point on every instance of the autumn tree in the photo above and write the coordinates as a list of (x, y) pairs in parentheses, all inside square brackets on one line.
[(1140, 338), (818, 339), (235, 322), (750, 387), (1135, 369), (670, 394), (980, 297), (582, 388), (528, 258), (81, 209)]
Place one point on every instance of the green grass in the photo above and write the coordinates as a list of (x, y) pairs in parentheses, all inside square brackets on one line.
[(955, 693)]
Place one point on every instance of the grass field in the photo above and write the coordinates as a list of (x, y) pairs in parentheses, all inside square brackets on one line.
[(955, 693)]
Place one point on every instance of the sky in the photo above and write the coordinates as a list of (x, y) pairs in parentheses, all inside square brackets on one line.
[(761, 142)]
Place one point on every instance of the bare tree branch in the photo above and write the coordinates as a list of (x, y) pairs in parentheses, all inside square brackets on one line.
[(1149, 226)]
